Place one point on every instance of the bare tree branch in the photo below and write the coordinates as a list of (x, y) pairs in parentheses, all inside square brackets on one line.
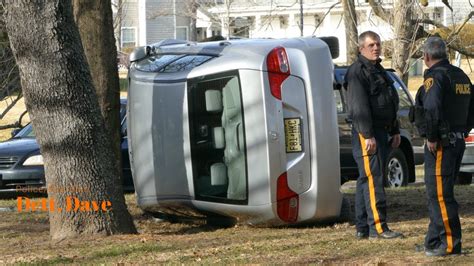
[(327, 12), (11, 104), (431, 22), (13, 125), (380, 11), (449, 40), (466, 20)]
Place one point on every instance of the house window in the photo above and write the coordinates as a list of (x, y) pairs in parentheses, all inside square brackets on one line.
[(182, 33), (318, 19), (283, 22), (437, 14), (129, 36)]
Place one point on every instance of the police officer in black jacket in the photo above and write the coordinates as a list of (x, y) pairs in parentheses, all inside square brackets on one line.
[(373, 106), (447, 114)]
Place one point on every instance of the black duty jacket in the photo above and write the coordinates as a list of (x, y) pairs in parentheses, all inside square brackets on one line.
[(372, 98), (448, 99)]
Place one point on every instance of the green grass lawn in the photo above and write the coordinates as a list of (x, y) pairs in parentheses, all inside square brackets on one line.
[(123, 84), (26, 239)]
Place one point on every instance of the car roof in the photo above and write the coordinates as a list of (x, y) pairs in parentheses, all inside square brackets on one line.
[(227, 55)]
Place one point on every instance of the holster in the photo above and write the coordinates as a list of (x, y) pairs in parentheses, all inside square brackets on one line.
[(443, 130)]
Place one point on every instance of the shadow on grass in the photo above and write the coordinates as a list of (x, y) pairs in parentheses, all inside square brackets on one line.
[(410, 203), (24, 223), (102, 256)]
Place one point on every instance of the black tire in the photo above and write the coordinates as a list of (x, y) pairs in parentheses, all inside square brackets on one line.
[(333, 43), (464, 178), (396, 170)]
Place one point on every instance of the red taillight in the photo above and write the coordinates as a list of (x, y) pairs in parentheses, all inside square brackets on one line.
[(469, 138), (278, 70), (287, 200)]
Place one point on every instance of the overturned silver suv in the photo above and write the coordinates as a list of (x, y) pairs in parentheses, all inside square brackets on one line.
[(244, 129)]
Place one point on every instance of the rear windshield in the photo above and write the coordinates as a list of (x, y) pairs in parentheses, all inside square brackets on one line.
[(170, 63), (218, 149)]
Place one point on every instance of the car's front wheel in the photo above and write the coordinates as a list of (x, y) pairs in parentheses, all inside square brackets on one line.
[(396, 169), (464, 178)]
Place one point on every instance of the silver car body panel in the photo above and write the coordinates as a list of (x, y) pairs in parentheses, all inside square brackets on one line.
[(467, 163), (159, 131)]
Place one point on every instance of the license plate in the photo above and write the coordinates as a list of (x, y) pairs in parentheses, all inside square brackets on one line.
[(293, 139)]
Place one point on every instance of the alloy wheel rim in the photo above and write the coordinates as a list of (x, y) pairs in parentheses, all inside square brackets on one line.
[(395, 173)]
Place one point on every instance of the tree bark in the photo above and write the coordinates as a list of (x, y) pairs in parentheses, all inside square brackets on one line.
[(66, 117), (95, 23), (192, 7), (380, 11), (404, 32), (118, 23), (350, 22)]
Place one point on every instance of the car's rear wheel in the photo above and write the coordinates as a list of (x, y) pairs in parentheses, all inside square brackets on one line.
[(397, 169), (464, 178)]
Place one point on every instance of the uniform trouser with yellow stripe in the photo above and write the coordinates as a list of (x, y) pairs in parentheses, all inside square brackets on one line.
[(370, 206), (444, 230)]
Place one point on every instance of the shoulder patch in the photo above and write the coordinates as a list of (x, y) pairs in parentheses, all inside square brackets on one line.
[(428, 84)]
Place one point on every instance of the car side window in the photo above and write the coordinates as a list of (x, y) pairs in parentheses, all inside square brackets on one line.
[(405, 102)]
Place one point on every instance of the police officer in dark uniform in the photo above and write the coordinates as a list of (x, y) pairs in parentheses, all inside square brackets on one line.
[(373, 106), (446, 114)]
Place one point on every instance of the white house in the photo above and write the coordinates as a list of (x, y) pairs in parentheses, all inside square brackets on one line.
[(281, 18), (149, 21)]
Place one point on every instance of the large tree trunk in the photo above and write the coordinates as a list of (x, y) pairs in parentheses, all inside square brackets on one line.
[(66, 117), (350, 22), (95, 23), (403, 30)]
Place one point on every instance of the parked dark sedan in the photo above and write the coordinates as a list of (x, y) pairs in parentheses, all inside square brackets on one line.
[(21, 163), (401, 162)]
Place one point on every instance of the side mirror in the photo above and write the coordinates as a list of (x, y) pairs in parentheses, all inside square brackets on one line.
[(15, 131), (139, 53)]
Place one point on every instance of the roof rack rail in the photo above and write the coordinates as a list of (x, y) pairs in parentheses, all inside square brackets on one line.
[(143, 51), (166, 42)]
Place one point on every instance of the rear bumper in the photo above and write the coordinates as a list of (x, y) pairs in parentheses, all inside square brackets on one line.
[(468, 157), (467, 168), (467, 163)]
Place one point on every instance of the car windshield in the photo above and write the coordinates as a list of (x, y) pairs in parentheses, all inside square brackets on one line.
[(218, 149), (28, 132)]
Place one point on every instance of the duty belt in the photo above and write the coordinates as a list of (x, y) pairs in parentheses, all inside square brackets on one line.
[(452, 136)]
